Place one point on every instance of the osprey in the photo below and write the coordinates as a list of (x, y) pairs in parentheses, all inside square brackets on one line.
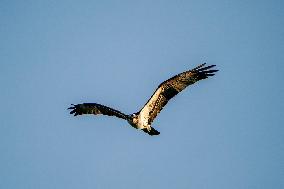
[(143, 119)]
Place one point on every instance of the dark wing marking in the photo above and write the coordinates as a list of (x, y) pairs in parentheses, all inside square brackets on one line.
[(171, 87), (94, 108)]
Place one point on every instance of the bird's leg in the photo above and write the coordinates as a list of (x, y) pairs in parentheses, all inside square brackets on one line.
[(148, 127)]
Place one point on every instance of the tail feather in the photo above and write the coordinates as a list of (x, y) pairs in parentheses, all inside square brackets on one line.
[(152, 132)]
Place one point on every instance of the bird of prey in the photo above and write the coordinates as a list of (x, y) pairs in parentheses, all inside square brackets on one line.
[(143, 119)]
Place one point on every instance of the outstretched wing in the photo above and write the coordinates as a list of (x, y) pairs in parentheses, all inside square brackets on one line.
[(171, 87), (94, 108)]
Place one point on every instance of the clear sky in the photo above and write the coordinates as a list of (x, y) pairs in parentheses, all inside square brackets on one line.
[(225, 132)]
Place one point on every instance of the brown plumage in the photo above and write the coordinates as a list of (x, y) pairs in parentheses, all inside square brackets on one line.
[(94, 108), (171, 87), (166, 90)]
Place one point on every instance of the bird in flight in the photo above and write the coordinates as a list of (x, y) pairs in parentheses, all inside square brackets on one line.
[(143, 119)]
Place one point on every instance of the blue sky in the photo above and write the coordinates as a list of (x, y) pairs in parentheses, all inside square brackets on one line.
[(224, 132)]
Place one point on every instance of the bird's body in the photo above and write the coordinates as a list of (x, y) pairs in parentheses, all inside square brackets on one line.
[(143, 119)]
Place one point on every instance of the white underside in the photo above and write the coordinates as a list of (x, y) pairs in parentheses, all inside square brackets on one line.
[(144, 113)]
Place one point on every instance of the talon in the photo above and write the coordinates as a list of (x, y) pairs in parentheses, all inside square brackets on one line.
[(148, 128)]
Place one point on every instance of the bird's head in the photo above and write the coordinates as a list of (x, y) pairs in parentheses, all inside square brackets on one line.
[(134, 115), (133, 120)]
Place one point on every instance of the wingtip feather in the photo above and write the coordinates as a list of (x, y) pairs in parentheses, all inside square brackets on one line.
[(206, 68), (201, 65)]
